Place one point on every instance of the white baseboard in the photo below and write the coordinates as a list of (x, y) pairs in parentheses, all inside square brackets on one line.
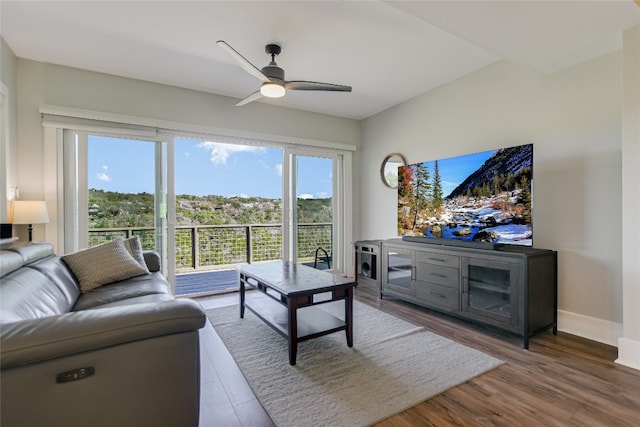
[(603, 331), (599, 330), (629, 353)]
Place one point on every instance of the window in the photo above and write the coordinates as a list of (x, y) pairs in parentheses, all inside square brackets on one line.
[(168, 178), (116, 187)]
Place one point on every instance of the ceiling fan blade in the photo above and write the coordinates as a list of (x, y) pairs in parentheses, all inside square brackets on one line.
[(243, 62), (305, 85), (253, 97)]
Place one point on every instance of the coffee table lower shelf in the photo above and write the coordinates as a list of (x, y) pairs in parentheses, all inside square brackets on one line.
[(312, 322)]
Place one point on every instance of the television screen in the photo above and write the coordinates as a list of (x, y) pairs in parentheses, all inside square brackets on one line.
[(481, 197)]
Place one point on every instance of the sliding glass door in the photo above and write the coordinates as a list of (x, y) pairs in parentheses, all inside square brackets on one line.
[(314, 208), (204, 204), (228, 210), (119, 191)]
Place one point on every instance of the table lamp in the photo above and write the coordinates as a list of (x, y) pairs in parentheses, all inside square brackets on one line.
[(30, 212)]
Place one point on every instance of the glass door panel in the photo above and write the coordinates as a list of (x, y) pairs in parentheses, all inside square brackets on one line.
[(126, 192), (491, 288), (400, 271), (314, 211), (228, 211)]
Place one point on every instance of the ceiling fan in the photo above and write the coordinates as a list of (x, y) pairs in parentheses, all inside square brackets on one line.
[(273, 83)]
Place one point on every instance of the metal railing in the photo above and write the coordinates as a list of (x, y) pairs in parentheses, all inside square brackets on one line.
[(207, 247)]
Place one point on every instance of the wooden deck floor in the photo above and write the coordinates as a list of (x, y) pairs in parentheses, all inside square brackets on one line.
[(213, 282), (561, 380), (206, 282)]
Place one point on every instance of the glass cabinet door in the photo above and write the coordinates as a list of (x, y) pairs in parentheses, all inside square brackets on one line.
[(399, 274), (490, 289)]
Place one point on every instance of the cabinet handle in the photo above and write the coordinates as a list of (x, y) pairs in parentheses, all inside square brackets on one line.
[(438, 259), (437, 275), (413, 272)]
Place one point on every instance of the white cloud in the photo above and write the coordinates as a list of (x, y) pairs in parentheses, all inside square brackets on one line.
[(220, 152), (103, 175), (305, 196), (279, 169)]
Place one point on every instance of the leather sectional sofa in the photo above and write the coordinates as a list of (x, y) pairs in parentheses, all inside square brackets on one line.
[(122, 354)]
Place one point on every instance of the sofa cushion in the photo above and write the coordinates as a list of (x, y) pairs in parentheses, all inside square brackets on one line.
[(57, 271), (18, 255), (29, 294), (134, 247), (33, 251), (10, 261), (103, 264), (134, 287)]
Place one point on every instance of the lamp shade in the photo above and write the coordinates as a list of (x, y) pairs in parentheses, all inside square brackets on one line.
[(30, 212)]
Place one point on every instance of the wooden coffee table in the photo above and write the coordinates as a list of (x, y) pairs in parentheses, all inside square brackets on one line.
[(288, 294)]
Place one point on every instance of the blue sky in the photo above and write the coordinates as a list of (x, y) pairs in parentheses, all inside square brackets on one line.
[(454, 170), (203, 168)]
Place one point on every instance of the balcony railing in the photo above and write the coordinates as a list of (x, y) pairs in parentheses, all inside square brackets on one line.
[(208, 247)]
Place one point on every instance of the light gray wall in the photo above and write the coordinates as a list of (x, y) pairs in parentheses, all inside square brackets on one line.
[(94, 91), (573, 118)]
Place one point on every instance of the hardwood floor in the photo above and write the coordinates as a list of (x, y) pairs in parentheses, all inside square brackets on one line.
[(561, 380), (226, 400)]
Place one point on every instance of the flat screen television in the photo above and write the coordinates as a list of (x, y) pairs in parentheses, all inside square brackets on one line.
[(482, 199)]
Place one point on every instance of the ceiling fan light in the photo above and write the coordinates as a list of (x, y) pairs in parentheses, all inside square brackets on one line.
[(272, 90)]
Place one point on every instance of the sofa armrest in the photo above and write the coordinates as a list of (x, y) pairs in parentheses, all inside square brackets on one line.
[(152, 259), (45, 338)]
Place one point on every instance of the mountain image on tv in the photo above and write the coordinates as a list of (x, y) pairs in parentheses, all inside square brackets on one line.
[(480, 197)]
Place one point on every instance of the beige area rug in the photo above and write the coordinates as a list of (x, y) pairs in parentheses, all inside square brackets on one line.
[(393, 365)]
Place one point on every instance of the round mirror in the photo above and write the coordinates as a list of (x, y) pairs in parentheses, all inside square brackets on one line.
[(389, 169)]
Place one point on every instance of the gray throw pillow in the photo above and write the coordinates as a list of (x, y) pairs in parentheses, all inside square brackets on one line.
[(103, 264)]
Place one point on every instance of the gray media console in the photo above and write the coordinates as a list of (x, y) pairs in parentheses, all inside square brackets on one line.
[(511, 288)]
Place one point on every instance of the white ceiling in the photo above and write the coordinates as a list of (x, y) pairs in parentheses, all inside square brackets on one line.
[(387, 51)]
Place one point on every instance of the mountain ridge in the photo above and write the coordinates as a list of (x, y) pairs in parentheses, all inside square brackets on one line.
[(512, 161)]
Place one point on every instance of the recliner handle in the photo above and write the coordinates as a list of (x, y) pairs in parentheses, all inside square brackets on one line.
[(75, 375)]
